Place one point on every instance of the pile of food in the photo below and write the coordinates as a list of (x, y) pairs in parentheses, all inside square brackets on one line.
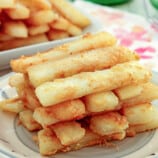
[(25, 22), (86, 92)]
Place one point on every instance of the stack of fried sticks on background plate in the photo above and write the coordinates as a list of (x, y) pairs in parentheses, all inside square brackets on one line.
[(26, 22), (86, 92)]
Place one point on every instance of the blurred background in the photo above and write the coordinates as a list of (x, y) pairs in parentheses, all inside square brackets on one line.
[(146, 8), (141, 7)]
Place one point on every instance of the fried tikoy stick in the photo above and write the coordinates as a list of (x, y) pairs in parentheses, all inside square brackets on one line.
[(102, 101), (49, 144), (70, 110), (25, 91), (128, 91), (14, 105), (50, 93), (35, 30), (143, 124), (90, 138), (16, 29), (42, 17), (63, 24), (60, 24), (108, 123), (30, 99), (68, 132), (139, 114), (95, 59), (148, 94), (22, 85), (68, 11), (87, 42), (26, 118), (18, 81), (73, 30)]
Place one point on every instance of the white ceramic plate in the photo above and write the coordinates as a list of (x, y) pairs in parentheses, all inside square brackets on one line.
[(16, 141)]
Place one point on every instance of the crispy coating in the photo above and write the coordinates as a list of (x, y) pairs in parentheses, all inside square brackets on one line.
[(68, 132), (96, 59), (108, 123), (102, 101), (48, 142), (89, 41), (25, 91), (27, 120), (50, 93), (70, 110), (148, 94), (128, 91), (139, 114), (149, 125), (17, 80), (14, 105)]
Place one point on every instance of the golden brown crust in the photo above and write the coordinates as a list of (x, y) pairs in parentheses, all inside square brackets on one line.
[(68, 132), (85, 83), (88, 42), (108, 123), (70, 110), (14, 105), (149, 93), (96, 59), (49, 144), (139, 114), (27, 120)]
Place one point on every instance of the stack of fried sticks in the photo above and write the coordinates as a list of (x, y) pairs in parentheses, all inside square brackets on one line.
[(86, 92)]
